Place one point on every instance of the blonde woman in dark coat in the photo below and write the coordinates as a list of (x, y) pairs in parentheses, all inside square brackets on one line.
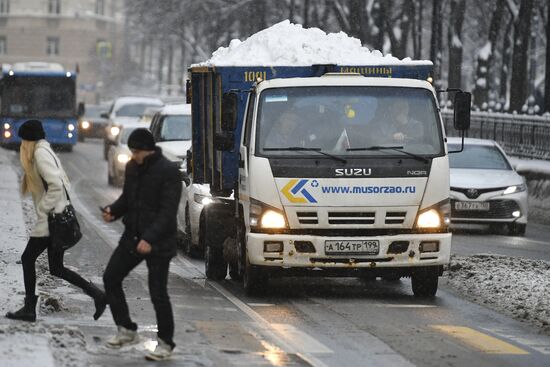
[(45, 179)]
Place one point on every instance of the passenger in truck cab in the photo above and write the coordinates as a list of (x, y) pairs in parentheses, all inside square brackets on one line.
[(394, 124), (284, 132)]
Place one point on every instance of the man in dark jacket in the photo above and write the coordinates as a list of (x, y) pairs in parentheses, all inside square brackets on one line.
[(148, 205)]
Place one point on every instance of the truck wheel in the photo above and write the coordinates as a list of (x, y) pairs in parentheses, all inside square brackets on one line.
[(424, 281), (516, 229), (234, 272), (214, 263), (254, 279)]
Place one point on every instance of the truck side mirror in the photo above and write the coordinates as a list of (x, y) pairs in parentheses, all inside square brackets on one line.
[(229, 111), (104, 115), (81, 109), (224, 142), (462, 105)]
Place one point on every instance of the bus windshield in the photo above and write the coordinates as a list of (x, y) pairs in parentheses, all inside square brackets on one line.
[(348, 121), (41, 97)]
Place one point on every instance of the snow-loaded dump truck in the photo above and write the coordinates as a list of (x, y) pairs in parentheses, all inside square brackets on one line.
[(314, 170)]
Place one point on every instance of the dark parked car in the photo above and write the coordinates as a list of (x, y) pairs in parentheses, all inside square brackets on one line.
[(91, 124)]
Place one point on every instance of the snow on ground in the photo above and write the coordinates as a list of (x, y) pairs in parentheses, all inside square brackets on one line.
[(25, 344), (512, 285), (288, 44)]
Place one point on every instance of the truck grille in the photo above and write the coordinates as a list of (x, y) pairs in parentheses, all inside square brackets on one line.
[(307, 217), (498, 209), (395, 217), (351, 217)]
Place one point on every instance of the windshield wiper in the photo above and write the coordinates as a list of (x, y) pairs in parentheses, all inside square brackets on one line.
[(395, 148), (302, 149)]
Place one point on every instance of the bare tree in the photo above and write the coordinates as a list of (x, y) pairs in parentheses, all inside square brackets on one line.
[(437, 38), (522, 31), (485, 57), (547, 70)]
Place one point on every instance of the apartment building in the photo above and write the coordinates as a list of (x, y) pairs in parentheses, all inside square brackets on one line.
[(87, 33)]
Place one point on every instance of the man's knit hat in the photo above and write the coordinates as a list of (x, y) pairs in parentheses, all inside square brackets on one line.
[(141, 139)]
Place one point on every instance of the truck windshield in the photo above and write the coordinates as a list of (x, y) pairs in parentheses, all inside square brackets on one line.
[(38, 97), (348, 121)]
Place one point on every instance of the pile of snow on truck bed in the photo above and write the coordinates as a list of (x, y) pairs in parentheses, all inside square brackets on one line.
[(288, 44)]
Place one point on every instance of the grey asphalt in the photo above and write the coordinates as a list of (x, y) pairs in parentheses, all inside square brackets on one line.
[(299, 322)]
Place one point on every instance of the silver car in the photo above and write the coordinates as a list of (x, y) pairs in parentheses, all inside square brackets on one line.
[(485, 188), (119, 154)]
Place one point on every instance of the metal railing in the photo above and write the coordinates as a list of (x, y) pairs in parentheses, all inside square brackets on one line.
[(523, 136)]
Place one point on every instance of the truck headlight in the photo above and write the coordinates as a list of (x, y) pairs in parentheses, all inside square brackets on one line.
[(437, 216), (123, 158), (6, 126), (272, 219), (514, 189), (70, 127), (115, 130), (429, 219), (265, 216)]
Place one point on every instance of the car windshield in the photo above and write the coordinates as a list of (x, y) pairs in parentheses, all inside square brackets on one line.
[(133, 110), (176, 127), (478, 157), (348, 121), (94, 112), (125, 134)]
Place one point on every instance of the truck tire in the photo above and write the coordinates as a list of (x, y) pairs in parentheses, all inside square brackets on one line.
[(214, 264), (214, 261), (424, 281), (254, 279)]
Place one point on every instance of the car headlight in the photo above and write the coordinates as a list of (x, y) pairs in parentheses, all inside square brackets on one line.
[(115, 130), (123, 158), (514, 189), (85, 125), (70, 127), (203, 199), (435, 217)]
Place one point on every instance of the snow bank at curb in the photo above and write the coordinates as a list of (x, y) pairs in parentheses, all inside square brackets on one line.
[(288, 44), (513, 285)]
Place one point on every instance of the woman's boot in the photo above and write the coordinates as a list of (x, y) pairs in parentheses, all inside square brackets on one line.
[(100, 300), (27, 312)]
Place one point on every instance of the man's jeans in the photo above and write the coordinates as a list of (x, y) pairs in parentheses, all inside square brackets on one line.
[(120, 265)]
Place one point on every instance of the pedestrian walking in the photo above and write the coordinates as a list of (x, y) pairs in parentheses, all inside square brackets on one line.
[(46, 181), (148, 205)]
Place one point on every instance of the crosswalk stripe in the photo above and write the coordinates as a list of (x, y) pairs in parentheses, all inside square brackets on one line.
[(478, 340)]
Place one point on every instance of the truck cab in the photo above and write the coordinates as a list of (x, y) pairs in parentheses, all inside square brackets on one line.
[(337, 174)]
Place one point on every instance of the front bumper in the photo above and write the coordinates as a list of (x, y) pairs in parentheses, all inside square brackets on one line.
[(290, 257), (502, 208)]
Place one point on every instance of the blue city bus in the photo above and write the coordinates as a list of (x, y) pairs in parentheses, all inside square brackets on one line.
[(43, 91)]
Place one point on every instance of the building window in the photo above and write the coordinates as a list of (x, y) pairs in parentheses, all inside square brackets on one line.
[(54, 6), (100, 7), (52, 46), (4, 6), (3, 45)]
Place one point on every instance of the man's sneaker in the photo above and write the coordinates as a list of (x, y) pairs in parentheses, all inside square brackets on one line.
[(122, 338), (162, 351)]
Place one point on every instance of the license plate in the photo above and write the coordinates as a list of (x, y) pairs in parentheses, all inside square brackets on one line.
[(352, 247), (472, 205)]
